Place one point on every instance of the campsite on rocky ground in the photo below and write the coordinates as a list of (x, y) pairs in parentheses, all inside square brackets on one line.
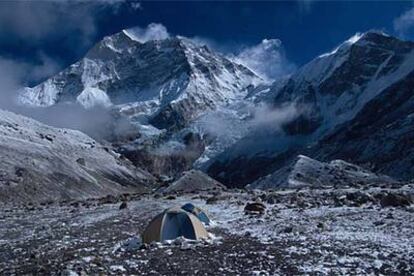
[(307, 231), (206, 137)]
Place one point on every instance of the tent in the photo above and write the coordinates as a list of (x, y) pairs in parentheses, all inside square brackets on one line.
[(198, 212), (173, 223)]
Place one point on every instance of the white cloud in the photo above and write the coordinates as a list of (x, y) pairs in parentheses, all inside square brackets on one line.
[(153, 31), (404, 23), (35, 21), (267, 59), (267, 116)]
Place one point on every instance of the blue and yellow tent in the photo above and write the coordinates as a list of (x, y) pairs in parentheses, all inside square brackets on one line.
[(198, 212)]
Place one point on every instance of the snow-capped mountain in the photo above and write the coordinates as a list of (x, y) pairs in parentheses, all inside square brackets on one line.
[(364, 79), (335, 86), (191, 91), (40, 163), (169, 81)]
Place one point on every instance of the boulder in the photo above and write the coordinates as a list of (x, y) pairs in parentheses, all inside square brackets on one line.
[(123, 205), (81, 161), (395, 200), (360, 198), (255, 207)]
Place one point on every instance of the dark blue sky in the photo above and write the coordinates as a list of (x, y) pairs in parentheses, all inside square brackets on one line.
[(64, 32), (305, 30)]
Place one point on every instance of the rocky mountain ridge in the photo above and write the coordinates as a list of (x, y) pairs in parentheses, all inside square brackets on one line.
[(41, 163), (168, 81)]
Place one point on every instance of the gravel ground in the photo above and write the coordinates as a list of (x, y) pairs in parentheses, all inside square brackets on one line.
[(319, 232)]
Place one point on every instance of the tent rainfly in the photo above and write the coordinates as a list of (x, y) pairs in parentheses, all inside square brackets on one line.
[(173, 223), (198, 212)]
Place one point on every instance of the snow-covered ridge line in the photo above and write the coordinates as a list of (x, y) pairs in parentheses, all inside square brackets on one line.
[(353, 39)]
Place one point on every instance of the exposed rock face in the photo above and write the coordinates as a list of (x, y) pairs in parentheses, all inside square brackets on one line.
[(41, 163)]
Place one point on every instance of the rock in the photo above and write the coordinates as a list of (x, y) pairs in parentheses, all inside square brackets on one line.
[(108, 199), (360, 198), (212, 200), (144, 246), (19, 172), (81, 161), (217, 197), (123, 205), (389, 216), (272, 199), (255, 207), (379, 222), (320, 225), (395, 200), (132, 244)]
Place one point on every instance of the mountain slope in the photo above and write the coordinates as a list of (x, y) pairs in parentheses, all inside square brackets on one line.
[(45, 163), (380, 136), (329, 92)]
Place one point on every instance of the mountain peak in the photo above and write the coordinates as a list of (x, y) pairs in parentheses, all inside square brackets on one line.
[(154, 31), (152, 73), (362, 39)]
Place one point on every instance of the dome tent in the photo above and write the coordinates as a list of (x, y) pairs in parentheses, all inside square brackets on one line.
[(198, 212), (173, 223)]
